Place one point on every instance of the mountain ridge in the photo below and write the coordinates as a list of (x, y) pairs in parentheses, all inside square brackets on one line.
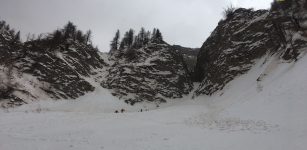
[(143, 67), (247, 35)]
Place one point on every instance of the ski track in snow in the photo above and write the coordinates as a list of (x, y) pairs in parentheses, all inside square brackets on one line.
[(239, 117)]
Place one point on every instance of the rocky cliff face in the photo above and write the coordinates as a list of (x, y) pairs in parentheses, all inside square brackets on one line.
[(62, 66), (10, 50), (40, 69), (151, 73), (247, 35)]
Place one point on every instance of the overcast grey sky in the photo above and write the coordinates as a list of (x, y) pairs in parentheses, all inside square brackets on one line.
[(184, 22)]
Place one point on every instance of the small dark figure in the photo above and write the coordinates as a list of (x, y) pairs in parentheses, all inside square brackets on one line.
[(116, 111), (141, 110), (122, 110)]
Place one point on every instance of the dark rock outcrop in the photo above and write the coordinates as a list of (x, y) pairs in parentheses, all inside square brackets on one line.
[(61, 65), (10, 51), (151, 73), (42, 69), (64, 68), (247, 35)]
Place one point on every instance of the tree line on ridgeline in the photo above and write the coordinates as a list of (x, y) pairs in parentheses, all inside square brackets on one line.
[(70, 31), (130, 40)]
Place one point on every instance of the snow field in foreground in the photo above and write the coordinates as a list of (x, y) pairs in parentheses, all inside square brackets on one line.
[(269, 114)]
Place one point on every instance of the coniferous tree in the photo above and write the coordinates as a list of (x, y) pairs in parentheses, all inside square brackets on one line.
[(69, 30), (137, 42), (115, 42), (80, 37), (153, 33), (17, 37), (156, 36), (123, 43), (2, 24), (147, 37), (159, 35), (127, 40), (142, 35), (56, 37), (88, 37), (130, 38)]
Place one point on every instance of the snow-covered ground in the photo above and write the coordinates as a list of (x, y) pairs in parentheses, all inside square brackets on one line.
[(269, 114)]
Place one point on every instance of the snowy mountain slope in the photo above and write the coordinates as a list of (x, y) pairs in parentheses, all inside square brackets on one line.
[(268, 114)]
